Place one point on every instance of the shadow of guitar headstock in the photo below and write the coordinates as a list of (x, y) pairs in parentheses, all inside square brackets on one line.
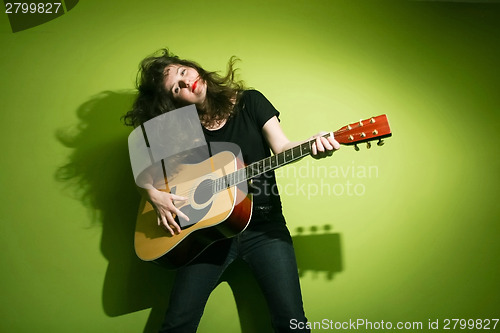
[(318, 251)]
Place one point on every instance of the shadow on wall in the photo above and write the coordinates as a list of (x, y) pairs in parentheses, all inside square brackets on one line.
[(98, 174)]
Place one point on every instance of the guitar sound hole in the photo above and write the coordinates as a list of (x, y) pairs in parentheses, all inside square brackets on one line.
[(203, 192)]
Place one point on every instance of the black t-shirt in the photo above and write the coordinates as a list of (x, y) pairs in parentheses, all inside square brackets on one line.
[(244, 129)]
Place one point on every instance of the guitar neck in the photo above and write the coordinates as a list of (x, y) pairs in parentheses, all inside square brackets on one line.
[(352, 134), (267, 164)]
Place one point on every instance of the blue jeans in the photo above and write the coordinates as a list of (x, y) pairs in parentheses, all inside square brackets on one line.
[(266, 246)]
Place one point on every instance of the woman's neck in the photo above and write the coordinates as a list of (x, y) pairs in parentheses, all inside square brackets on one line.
[(215, 125)]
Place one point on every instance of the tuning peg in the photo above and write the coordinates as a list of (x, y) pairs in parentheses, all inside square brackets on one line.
[(356, 148), (380, 142), (368, 145)]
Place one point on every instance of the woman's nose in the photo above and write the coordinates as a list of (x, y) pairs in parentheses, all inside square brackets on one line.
[(184, 84)]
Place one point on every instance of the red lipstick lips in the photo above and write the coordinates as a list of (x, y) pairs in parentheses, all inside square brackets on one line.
[(194, 85)]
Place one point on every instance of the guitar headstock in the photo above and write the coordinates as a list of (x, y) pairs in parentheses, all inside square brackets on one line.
[(364, 131)]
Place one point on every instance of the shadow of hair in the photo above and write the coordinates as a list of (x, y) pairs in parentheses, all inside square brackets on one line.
[(99, 175)]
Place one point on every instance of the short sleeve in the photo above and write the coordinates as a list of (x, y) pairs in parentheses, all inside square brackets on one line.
[(259, 107)]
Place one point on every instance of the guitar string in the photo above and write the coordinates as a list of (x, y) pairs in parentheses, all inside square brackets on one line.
[(214, 187), (230, 180), (230, 183)]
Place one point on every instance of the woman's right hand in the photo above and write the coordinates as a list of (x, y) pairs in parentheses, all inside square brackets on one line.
[(163, 204)]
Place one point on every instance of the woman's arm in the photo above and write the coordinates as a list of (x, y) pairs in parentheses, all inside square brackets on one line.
[(162, 202), (278, 142)]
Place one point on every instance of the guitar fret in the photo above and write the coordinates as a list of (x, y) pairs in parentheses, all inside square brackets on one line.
[(305, 148), (267, 164), (255, 169), (237, 177), (281, 159), (274, 161)]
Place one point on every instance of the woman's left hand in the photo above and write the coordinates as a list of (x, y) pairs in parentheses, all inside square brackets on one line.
[(324, 147)]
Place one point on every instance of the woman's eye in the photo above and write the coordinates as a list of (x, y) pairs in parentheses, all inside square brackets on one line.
[(183, 72), (176, 90)]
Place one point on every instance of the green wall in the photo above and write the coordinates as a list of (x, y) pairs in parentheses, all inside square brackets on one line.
[(404, 232)]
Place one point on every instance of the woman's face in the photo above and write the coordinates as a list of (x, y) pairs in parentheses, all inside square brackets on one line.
[(185, 85)]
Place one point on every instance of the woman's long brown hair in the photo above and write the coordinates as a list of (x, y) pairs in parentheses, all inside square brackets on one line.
[(152, 99)]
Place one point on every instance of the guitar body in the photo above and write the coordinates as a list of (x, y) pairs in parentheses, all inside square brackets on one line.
[(212, 216)]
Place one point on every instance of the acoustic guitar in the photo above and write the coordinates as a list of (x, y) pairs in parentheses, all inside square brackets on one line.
[(218, 205)]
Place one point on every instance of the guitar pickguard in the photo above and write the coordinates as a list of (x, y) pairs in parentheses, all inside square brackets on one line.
[(198, 205), (194, 215)]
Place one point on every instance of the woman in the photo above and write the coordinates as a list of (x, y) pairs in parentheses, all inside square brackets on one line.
[(228, 113)]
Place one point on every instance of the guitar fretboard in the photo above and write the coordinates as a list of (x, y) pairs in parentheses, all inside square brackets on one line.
[(267, 164)]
